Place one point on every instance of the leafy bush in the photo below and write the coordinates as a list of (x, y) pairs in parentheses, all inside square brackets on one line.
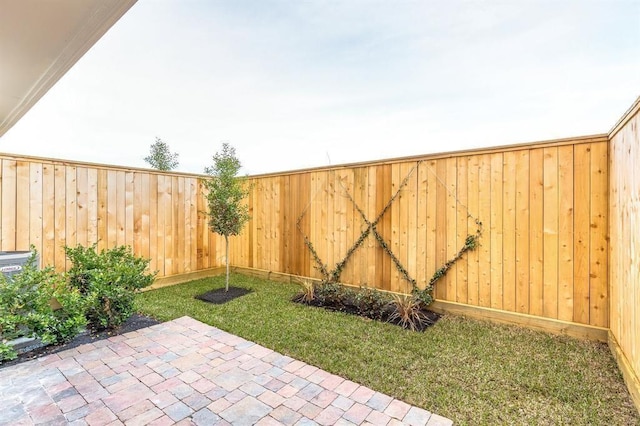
[(108, 280), (25, 307), (371, 302)]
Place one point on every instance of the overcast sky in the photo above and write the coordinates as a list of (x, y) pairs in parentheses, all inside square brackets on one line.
[(296, 84)]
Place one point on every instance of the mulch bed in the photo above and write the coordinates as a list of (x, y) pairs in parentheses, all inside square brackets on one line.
[(135, 322), (220, 296), (429, 317)]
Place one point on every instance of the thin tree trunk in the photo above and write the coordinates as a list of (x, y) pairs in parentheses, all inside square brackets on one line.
[(226, 240)]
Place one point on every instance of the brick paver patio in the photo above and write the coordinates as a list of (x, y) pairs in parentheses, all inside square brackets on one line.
[(186, 372)]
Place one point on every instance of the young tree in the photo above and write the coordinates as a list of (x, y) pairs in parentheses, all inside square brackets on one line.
[(225, 192), (161, 157)]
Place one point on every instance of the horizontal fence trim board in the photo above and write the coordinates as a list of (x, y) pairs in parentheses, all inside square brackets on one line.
[(100, 166), (602, 137), (548, 325), (630, 378), (185, 277), (628, 115)]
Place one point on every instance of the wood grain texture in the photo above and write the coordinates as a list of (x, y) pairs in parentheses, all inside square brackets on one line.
[(624, 247)]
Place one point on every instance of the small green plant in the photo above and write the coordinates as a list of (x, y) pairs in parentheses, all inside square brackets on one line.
[(108, 280), (371, 302), (407, 312), (307, 291), (7, 353), (26, 308)]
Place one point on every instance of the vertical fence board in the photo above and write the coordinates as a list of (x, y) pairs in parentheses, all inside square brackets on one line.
[(536, 231), (82, 205), (36, 199), (92, 206), (565, 229), (581, 221), (9, 205), (496, 231), (522, 231), (509, 183), (473, 207), (22, 205), (599, 308), (484, 214), (48, 215), (550, 239)]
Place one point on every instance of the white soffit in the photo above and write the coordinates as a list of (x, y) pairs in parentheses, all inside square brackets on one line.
[(40, 40)]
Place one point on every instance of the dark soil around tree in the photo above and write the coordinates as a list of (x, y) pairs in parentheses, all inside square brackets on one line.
[(385, 315), (135, 322), (220, 296)]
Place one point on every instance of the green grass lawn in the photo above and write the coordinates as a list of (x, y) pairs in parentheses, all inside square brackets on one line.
[(470, 371)]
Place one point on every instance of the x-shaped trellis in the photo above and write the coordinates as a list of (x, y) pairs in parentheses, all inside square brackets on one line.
[(334, 275)]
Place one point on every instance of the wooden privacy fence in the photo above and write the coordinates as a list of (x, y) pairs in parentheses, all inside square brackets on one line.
[(543, 208), (50, 204)]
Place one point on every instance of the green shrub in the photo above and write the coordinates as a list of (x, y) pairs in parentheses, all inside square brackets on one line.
[(108, 280), (25, 307)]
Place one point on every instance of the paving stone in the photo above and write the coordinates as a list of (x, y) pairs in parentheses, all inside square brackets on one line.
[(436, 420), (397, 409), (253, 389), (205, 417), (328, 416), (101, 416), (151, 379), (357, 413), (182, 391), (235, 396), (233, 379), (163, 399), (70, 391), (310, 391), (203, 385), (416, 417), (271, 398), (196, 401), (268, 421), (82, 412), (287, 391), (178, 411), (44, 413), (294, 402), (71, 403), (310, 410), (274, 385), (378, 418), (135, 410), (162, 421), (246, 412), (346, 388), (362, 394), (12, 414), (304, 421), (342, 402), (379, 401), (219, 405), (285, 415), (146, 417)]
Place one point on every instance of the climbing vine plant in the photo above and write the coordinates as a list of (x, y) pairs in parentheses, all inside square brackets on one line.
[(424, 295)]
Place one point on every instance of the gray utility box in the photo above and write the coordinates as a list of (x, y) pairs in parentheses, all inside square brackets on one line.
[(11, 262)]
